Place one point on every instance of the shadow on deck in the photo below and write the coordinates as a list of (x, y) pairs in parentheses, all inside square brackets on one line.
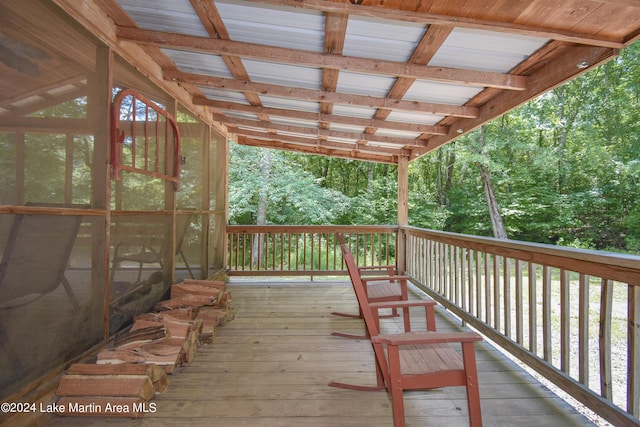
[(270, 366)]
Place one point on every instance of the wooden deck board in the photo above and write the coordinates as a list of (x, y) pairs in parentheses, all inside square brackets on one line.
[(270, 366)]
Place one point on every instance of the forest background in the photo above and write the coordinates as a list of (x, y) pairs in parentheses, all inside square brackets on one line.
[(563, 169)]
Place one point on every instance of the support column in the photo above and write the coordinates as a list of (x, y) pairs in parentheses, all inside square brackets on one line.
[(403, 211)]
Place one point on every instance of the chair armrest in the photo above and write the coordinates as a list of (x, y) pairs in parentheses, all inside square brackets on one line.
[(388, 278), (377, 267), (417, 338), (402, 304)]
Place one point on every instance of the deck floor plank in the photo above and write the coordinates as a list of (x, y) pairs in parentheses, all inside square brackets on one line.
[(270, 366)]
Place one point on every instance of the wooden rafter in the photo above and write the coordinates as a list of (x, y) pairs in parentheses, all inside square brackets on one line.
[(327, 118), (319, 132), (459, 21), (320, 95), (322, 60), (569, 35)]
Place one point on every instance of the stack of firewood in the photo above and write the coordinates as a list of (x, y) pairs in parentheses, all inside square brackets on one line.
[(110, 390), (127, 372)]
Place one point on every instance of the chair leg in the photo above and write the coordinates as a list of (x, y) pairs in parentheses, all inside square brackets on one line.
[(395, 386), (407, 319), (397, 406), (473, 392)]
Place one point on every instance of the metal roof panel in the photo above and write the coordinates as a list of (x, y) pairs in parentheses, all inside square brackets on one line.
[(273, 25), (377, 38), (284, 74), (200, 63), (174, 16)]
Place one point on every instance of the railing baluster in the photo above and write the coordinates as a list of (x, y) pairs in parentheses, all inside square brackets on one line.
[(633, 350), (463, 280), (533, 308), (604, 335), (565, 312), (546, 313), (519, 304), (506, 275), (487, 289), (470, 285), (478, 264), (583, 330), (447, 272)]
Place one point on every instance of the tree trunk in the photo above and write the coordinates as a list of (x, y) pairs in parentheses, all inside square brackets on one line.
[(494, 211), (497, 224), (263, 201)]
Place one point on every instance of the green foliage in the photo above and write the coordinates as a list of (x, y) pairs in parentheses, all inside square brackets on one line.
[(565, 169), (294, 196)]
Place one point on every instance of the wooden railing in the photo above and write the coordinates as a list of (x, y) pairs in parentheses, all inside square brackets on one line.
[(304, 250), (572, 315)]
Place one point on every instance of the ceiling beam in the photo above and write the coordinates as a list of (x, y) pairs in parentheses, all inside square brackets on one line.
[(456, 20), (543, 79), (319, 150), (349, 146), (319, 95), (335, 32), (431, 41), (328, 118), (319, 132), (323, 60)]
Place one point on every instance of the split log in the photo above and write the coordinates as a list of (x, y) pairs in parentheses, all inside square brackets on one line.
[(139, 386), (212, 316), (167, 353), (185, 314), (182, 289), (156, 374), (223, 300), (119, 356), (186, 301), (133, 338)]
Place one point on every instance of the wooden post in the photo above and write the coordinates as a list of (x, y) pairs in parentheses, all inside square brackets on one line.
[(207, 169), (403, 212), (170, 196), (218, 238), (99, 106)]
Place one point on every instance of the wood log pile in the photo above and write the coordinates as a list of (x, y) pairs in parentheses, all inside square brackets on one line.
[(133, 369)]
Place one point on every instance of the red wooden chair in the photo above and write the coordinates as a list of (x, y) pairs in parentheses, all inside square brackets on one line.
[(382, 284), (415, 360)]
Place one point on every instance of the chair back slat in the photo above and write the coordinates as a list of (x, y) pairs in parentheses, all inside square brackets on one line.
[(358, 287)]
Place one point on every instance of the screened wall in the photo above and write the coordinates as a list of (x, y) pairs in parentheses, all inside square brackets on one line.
[(82, 250)]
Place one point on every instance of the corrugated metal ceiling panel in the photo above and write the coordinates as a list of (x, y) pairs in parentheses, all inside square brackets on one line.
[(382, 39), (200, 63), (284, 74), (364, 84), (240, 115), (450, 94), (224, 95), (290, 104), (353, 111), (294, 122), (485, 50), (174, 16), (273, 25), (397, 133), (407, 117), (347, 128)]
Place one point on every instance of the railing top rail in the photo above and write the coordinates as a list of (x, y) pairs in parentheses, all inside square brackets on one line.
[(311, 228), (614, 266)]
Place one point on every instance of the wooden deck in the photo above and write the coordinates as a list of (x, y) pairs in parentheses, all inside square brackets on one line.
[(270, 367)]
